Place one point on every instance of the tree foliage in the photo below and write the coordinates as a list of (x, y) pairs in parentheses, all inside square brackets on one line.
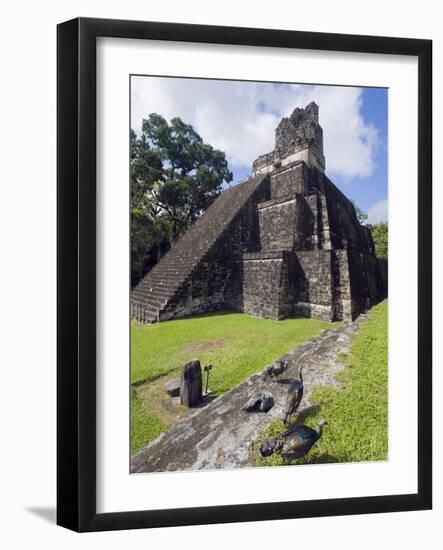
[(379, 233), (174, 177), (361, 216)]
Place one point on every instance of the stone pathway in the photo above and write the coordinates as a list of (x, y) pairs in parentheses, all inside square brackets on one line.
[(219, 436)]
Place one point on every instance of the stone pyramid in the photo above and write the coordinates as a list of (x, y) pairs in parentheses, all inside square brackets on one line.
[(284, 242)]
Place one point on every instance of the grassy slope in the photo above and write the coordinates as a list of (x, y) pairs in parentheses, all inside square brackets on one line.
[(237, 345), (357, 412), (144, 426)]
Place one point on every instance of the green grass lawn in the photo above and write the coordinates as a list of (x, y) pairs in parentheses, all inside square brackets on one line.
[(356, 411), (144, 425), (237, 346)]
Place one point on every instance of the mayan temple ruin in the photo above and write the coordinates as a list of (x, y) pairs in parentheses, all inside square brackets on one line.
[(284, 242)]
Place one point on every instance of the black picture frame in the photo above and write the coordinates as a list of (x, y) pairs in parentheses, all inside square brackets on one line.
[(76, 265)]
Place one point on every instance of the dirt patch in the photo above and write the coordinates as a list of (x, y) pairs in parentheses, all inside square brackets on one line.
[(156, 401), (201, 346)]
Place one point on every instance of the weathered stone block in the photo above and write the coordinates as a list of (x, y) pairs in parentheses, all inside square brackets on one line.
[(172, 387), (191, 384)]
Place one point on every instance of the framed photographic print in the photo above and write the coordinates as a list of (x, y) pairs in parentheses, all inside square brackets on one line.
[(244, 274)]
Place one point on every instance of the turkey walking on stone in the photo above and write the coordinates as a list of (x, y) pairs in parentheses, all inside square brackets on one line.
[(294, 442), (276, 369), (294, 397), (261, 402)]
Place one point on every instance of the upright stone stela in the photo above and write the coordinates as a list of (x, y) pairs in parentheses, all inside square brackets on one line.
[(284, 242)]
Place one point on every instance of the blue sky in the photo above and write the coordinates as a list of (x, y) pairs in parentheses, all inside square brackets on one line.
[(239, 118), (372, 190)]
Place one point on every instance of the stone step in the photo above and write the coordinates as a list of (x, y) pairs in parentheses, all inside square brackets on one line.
[(154, 285), (185, 254), (168, 280), (155, 301), (162, 292), (162, 279), (176, 268), (165, 283), (157, 291), (151, 301), (147, 319), (152, 313), (154, 295), (139, 310), (173, 264), (169, 274)]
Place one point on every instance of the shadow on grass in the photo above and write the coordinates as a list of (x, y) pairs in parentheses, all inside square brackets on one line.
[(324, 458), (149, 379), (206, 399), (224, 312), (306, 414), (217, 313)]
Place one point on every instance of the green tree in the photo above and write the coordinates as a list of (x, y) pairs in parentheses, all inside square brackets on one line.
[(379, 233), (361, 216), (174, 177)]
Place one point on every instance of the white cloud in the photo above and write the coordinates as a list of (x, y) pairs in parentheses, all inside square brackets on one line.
[(378, 212), (240, 117)]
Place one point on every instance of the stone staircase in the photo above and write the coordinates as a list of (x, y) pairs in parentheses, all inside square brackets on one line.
[(158, 289)]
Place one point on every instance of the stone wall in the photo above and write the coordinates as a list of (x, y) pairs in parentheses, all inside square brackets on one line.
[(277, 224), (288, 181), (313, 295), (263, 161), (341, 289), (297, 216), (345, 230), (366, 281), (262, 276), (306, 223), (383, 269)]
